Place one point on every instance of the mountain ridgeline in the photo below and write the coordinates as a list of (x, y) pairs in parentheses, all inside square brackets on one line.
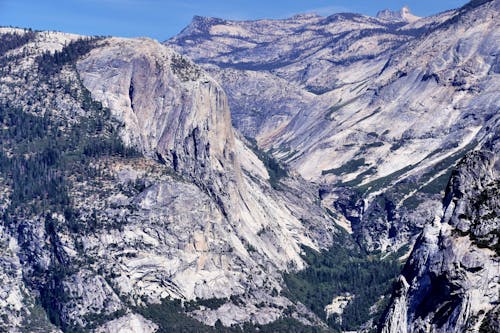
[(311, 174), (376, 110)]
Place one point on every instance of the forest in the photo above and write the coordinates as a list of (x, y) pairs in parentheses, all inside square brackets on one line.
[(40, 151), (345, 270)]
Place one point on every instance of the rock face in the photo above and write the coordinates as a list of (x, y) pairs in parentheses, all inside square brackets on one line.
[(129, 203), (190, 216), (168, 105), (451, 281), (403, 15), (128, 324), (384, 109), (270, 79), (194, 135)]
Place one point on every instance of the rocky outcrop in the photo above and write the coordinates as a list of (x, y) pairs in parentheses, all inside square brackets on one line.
[(11, 297), (170, 108), (223, 230), (451, 281), (131, 323), (403, 15), (270, 79), (193, 133)]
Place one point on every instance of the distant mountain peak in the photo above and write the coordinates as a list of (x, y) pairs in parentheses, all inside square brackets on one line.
[(305, 16), (403, 15), (204, 20)]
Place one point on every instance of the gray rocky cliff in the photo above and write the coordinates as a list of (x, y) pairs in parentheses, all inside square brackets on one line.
[(181, 211), (170, 108), (451, 280)]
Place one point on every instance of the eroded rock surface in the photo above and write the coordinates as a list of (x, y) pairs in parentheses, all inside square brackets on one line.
[(451, 281), (189, 215)]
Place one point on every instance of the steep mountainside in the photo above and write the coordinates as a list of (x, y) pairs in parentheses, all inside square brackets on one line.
[(451, 282), (376, 111), (285, 64), (124, 188), (129, 203)]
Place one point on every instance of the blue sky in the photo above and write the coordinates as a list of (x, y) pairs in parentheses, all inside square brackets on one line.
[(161, 19)]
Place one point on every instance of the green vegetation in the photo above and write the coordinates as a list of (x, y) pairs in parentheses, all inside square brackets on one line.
[(490, 322), (11, 41), (370, 115), (475, 3), (398, 144), (275, 170), (50, 64), (371, 145), (98, 319), (211, 303), (170, 316), (286, 152), (486, 241), (39, 158), (40, 152), (36, 321), (483, 211), (339, 271), (485, 202), (471, 5), (359, 178), (184, 69), (400, 189), (451, 160), (437, 185), (412, 202), (382, 182), (359, 86), (349, 167)]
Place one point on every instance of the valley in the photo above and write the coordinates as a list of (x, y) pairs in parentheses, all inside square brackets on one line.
[(309, 174)]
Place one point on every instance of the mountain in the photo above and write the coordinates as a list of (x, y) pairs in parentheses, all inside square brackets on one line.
[(289, 179), (375, 111), (404, 15), (125, 191), (451, 281)]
